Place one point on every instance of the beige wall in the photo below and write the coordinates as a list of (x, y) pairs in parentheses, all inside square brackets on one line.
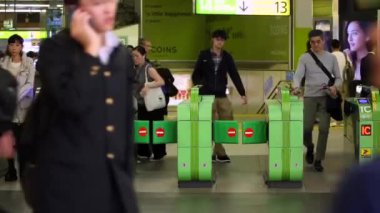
[(254, 84)]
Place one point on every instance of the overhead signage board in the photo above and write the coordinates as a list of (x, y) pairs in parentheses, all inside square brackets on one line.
[(251, 38), (24, 34), (243, 7)]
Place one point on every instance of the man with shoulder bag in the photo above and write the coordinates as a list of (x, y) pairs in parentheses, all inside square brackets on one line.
[(322, 78)]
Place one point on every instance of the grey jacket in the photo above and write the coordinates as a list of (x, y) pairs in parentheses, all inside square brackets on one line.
[(25, 80), (315, 78)]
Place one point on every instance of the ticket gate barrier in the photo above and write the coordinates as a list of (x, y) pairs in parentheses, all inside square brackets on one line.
[(194, 131), (362, 127), (285, 165)]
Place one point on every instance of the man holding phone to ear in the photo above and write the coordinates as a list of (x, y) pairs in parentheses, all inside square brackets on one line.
[(83, 151)]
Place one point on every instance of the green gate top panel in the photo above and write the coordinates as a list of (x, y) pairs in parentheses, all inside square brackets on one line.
[(164, 132), (205, 111), (183, 111), (226, 132), (141, 131), (284, 95), (194, 95), (296, 111), (208, 98), (274, 110)]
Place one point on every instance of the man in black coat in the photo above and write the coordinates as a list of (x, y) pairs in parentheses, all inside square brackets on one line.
[(8, 96), (359, 190), (211, 72), (83, 152)]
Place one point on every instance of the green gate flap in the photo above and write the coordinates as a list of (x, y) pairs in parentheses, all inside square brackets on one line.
[(254, 132), (141, 132), (226, 132), (164, 132)]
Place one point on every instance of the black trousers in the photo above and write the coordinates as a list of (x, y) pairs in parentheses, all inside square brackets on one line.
[(17, 131), (146, 150)]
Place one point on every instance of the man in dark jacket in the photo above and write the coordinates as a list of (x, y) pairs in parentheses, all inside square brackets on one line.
[(211, 72), (8, 96), (359, 191), (84, 152)]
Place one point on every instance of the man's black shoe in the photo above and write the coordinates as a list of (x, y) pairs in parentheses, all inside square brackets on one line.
[(223, 159), (318, 166), (11, 176), (310, 156), (157, 158)]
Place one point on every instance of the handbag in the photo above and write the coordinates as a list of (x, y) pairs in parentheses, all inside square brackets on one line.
[(333, 104), (154, 97)]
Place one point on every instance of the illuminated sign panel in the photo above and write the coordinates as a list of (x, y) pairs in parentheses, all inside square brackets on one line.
[(366, 130), (243, 7), (24, 34)]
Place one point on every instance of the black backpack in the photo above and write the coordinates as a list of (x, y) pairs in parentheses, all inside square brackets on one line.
[(169, 88)]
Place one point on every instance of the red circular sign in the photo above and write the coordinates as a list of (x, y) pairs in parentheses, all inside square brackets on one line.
[(160, 132), (249, 133), (143, 131), (231, 132)]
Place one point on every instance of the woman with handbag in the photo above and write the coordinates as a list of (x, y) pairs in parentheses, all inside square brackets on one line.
[(150, 99)]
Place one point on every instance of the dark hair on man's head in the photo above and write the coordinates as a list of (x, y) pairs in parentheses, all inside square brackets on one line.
[(15, 38), (140, 49), (315, 33), (31, 54), (142, 41), (220, 34), (71, 2), (335, 44)]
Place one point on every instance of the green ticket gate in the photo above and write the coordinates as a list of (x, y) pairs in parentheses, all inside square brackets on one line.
[(285, 116), (194, 132), (361, 127), (195, 141)]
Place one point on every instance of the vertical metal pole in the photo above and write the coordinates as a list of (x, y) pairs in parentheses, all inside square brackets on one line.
[(291, 37), (15, 14), (141, 18)]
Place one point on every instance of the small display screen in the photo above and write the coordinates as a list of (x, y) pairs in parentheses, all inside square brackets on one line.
[(363, 101)]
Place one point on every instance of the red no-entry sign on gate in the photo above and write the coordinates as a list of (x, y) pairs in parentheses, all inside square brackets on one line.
[(143, 131), (231, 132), (160, 132), (248, 133)]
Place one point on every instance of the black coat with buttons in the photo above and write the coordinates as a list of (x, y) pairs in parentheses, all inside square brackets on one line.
[(84, 152), (8, 98)]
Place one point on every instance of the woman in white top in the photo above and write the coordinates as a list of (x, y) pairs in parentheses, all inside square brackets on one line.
[(23, 69)]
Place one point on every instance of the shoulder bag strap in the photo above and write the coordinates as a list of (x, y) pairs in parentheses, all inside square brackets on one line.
[(146, 73), (319, 63)]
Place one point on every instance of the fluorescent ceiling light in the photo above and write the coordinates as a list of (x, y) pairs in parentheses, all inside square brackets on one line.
[(29, 5), (22, 11)]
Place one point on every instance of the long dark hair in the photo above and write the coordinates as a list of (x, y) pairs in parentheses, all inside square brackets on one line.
[(364, 26), (140, 49)]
